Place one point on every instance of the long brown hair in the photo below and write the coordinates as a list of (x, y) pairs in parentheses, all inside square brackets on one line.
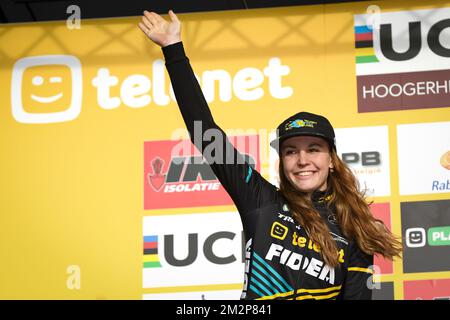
[(352, 212)]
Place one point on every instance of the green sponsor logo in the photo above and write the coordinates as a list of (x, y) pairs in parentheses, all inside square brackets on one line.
[(439, 236)]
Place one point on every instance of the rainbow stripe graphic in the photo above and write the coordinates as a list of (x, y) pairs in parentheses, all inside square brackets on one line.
[(365, 52), (151, 259)]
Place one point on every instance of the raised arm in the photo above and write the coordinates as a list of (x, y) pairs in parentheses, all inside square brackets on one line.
[(244, 184)]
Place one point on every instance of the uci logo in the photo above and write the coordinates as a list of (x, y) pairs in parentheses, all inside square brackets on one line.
[(171, 251), (405, 37), (433, 35)]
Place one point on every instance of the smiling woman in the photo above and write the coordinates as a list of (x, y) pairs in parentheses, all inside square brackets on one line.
[(314, 237), (306, 162)]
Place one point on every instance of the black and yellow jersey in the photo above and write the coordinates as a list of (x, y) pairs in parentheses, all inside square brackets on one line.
[(281, 261)]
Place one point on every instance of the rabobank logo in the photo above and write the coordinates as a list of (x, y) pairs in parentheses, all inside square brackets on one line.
[(184, 179), (433, 175), (193, 249), (403, 60), (46, 89), (445, 160)]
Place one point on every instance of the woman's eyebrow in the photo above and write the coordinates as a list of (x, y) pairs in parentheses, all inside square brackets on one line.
[(316, 144), (288, 146)]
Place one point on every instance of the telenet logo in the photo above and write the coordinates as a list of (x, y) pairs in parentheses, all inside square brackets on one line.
[(39, 89), (437, 236), (49, 88)]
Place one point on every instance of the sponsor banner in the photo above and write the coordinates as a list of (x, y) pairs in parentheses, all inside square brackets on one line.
[(177, 176), (382, 211), (403, 60), (195, 295), (424, 158), (193, 249), (365, 150), (426, 234), (427, 289)]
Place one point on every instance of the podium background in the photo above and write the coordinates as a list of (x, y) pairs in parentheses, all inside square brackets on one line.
[(72, 206)]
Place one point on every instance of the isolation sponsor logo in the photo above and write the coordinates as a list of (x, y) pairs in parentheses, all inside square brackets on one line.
[(173, 180), (426, 234), (427, 173), (403, 61), (192, 249)]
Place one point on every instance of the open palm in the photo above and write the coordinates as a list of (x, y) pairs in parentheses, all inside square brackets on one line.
[(160, 31)]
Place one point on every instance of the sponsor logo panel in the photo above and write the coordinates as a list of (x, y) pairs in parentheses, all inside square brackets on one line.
[(426, 233), (403, 60), (423, 158), (193, 249), (366, 151), (177, 176)]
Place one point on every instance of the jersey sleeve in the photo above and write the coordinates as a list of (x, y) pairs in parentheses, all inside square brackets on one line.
[(247, 188), (358, 281)]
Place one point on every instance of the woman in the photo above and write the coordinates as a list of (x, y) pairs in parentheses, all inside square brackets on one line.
[(314, 237)]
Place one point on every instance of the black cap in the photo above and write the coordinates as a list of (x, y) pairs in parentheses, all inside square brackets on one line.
[(305, 124)]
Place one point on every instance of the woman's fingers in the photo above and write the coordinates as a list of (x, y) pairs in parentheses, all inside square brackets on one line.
[(148, 19), (143, 28), (156, 18), (173, 16)]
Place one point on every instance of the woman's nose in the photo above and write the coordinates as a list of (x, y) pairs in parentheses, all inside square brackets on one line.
[(302, 158)]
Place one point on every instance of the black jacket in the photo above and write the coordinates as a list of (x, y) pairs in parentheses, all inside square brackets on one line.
[(281, 261)]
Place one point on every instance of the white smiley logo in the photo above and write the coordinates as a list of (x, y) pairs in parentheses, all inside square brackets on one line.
[(73, 110), (39, 81)]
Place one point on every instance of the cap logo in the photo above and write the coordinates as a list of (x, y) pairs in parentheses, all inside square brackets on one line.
[(299, 123)]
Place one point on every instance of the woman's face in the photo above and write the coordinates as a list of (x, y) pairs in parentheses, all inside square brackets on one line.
[(306, 162)]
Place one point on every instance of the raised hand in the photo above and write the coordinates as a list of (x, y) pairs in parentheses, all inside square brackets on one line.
[(160, 31)]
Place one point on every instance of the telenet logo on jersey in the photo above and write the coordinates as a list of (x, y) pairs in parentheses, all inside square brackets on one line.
[(403, 60), (193, 249), (176, 175)]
